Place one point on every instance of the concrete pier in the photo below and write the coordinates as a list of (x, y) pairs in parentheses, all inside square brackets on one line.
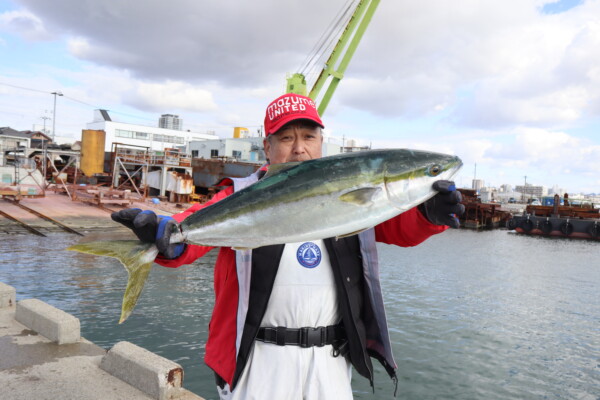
[(43, 356)]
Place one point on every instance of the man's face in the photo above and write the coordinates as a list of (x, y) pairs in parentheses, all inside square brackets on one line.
[(296, 141)]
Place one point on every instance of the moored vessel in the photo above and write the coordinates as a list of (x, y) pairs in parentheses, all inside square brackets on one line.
[(567, 220)]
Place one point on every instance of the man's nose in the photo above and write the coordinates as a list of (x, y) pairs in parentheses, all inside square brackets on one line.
[(298, 146)]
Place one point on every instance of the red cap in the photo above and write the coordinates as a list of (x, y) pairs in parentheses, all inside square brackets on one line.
[(287, 108)]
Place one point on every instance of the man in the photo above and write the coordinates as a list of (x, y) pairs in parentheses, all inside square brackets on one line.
[(290, 321)]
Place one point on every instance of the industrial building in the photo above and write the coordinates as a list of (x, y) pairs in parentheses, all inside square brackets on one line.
[(154, 138), (532, 191), (170, 121), (242, 147)]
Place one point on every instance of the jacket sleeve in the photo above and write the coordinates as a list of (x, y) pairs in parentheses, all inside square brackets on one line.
[(407, 229), (192, 252)]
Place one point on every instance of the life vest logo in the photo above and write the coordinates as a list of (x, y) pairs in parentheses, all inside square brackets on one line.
[(309, 255)]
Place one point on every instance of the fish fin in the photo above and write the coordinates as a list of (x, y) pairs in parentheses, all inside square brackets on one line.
[(137, 258), (351, 233), (360, 197), (278, 168)]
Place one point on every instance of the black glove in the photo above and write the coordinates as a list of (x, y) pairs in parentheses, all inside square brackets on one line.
[(444, 207), (151, 228)]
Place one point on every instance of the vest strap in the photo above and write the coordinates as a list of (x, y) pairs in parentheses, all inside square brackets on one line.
[(303, 337)]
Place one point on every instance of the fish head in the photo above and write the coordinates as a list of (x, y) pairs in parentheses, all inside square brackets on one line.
[(410, 174)]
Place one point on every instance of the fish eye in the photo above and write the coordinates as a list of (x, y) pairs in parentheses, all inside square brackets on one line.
[(434, 170)]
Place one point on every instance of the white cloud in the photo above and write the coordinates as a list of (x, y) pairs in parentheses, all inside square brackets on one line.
[(552, 152), (171, 95), (24, 24), (502, 64)]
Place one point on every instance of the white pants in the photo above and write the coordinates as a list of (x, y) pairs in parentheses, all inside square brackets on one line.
[(292, 373)]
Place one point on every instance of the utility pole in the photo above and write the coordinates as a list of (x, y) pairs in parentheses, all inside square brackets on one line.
[(45, 118), (54, 115), (44, 156)]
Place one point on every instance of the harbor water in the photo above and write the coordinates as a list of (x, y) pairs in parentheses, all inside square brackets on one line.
[(473, 315)]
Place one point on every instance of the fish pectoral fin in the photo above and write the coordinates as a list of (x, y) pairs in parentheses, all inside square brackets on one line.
[(278, 168), (351, 233), (137, 258), (360, 197)]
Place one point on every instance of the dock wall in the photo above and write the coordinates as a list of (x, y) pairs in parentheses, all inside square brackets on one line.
[(43, 356)]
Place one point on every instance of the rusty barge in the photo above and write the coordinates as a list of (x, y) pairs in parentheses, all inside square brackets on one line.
[(567, 220), (480, 215)]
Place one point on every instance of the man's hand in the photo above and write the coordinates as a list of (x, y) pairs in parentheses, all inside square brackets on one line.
[(151, 228), (444, 208)]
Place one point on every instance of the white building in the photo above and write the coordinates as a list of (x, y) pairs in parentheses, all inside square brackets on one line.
[(10, 143), (170, 121), (147, 136), (242, 149), (488, 194), (530, 191), (557, 190), (477, 184)]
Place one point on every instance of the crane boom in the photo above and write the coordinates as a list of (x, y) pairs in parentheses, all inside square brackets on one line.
[(338, 60)]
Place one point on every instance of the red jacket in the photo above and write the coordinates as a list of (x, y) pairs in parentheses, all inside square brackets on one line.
[(407, 229)]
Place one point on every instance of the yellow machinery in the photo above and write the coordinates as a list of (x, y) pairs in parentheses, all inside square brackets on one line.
[(240, 132), (92, 151)]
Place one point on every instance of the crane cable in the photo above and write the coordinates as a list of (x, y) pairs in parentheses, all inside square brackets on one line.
[(328, 40), (325, 36), (318, 55)]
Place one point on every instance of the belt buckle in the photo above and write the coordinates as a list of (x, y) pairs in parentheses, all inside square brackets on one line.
[(310, 337)]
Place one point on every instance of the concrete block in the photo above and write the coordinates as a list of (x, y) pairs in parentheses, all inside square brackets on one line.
[(152, 374), (48, 321), (8, 296)]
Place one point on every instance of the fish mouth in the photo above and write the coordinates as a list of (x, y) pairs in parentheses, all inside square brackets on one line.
[(401, 192), (455, 166)]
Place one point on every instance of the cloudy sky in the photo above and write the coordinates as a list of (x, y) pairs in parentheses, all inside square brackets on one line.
[(510, 86)]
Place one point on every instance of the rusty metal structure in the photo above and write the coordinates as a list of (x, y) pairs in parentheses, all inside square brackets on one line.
[(131, 166), (68, 162), (480, 215)]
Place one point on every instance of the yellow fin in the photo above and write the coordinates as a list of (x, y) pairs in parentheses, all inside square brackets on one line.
[(278, 168), (360, 197), (136, 257)]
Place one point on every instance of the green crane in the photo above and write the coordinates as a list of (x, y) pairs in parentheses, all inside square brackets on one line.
[(338, 60)]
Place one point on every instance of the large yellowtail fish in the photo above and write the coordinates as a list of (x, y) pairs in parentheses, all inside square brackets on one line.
[(333, 196)]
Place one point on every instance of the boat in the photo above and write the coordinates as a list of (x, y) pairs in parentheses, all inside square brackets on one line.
[(480, 215), (566, 220)]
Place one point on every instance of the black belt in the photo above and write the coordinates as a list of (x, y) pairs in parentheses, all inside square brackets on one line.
[(303, 337)]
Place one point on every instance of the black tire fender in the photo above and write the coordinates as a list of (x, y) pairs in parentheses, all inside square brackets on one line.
[(546, 227), (527, 225), (566, 228), (594, 229)]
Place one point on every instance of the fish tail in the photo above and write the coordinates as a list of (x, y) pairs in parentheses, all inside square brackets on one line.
[(137, 258)]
